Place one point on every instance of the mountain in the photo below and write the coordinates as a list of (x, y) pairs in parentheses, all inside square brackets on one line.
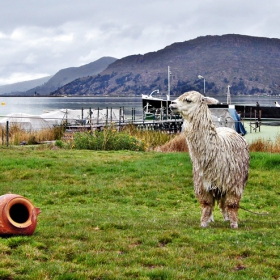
[(250, 65), (67, 75), (22, 86)]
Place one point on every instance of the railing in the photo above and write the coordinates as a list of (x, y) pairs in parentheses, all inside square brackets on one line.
[(95, 120), (105, 117)]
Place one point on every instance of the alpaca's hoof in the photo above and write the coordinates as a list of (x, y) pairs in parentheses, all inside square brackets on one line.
[(204, 224), (211, 219), (234, 226)]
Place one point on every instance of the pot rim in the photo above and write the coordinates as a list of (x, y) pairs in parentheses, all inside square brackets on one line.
[(27, 204)]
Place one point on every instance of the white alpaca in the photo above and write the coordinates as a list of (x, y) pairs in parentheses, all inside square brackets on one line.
[(220, 158)]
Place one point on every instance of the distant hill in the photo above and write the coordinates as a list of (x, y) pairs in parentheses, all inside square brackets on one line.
[(67, 75), (250, 65), (22, 86)]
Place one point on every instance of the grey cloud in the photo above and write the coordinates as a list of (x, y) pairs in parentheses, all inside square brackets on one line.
[(42, 37)]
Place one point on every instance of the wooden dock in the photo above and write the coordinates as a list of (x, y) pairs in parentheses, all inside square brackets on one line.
[(171, 126), (167, 126)]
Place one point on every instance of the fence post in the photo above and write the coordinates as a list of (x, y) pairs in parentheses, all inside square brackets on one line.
[(120, 113), (90, 114), (7, 133), (106, 116)]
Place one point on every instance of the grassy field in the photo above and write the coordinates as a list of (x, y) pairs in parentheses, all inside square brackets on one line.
[(133, 215)]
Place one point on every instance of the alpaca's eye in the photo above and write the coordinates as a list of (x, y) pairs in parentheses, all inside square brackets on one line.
[(188, 100)]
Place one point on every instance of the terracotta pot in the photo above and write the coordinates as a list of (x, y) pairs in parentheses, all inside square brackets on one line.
[(18, 216)]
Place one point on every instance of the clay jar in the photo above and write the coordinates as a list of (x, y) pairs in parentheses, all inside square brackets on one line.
[(18, 216)]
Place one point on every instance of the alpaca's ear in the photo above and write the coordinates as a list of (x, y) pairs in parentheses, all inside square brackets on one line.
[(209, 100)]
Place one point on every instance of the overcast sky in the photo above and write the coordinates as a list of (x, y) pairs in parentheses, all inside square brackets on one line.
[(40, 37)]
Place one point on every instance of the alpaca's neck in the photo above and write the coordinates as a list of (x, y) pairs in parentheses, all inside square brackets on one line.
[(200, 131)]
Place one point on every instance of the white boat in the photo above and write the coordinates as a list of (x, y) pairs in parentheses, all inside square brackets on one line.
[(157, 108), (151, 97)]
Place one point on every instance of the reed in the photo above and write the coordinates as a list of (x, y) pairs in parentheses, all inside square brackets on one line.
[(178, 144), (268, 146), (18, 135), (152, 138)]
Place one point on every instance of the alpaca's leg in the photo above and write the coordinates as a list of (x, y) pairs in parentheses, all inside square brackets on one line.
[(206, 201), (231, 207), (223, 208)]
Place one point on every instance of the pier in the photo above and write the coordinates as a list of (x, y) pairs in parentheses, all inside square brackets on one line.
[(98, 119)]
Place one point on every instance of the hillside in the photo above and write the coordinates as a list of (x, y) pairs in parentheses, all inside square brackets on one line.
[(67, 75), (250, 65), (22, 86)]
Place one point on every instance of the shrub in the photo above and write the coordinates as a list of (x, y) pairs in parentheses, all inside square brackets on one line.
[(107, 139), (18, 135), (258, 146), (58, 131), (59, 143), (261, 145), (152, 138), (177, 144)]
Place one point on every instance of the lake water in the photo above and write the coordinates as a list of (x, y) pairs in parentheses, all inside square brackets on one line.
[(39, 105)]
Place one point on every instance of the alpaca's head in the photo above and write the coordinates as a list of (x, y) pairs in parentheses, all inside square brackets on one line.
[(189, 102)]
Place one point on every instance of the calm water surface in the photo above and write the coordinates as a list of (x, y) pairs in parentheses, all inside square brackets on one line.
[(38, 105)]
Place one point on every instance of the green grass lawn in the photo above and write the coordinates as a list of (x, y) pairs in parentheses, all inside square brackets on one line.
[(133, 215)]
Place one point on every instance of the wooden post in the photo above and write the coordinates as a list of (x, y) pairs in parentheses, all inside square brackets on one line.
[(259, 119), (132, 117), (90, 113), (7, 133), (106, 116), (133, 114), (250, 120), (120, 112)]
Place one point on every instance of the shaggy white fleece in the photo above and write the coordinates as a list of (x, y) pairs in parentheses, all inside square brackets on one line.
[(220, 158)]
